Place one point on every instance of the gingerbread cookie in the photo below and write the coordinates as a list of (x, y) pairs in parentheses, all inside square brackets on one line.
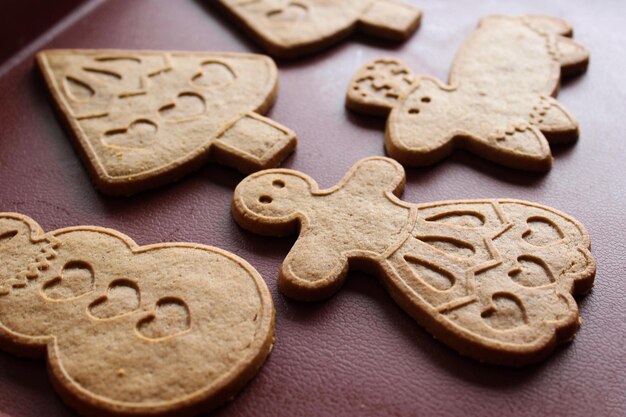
[(499, 102), (491, 278), (141, 119), (293, 28), (163, 329)]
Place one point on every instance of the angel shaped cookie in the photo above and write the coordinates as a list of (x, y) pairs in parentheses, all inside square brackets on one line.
[(289, 28), (141, 119), (499, 102), (164, 329), (491, 278)]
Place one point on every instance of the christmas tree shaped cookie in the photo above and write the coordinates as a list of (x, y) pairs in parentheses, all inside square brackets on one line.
[(293, 28), (141, 119)]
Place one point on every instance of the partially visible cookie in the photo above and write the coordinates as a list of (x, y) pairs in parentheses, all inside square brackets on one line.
[(141, 119), (292, 28), (163, 329), (499, 102), (491, 278)]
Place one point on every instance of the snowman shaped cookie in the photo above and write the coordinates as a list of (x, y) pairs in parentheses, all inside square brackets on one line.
[(173, 328)]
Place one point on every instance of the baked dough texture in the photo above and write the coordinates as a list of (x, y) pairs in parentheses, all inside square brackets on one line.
[(162, 329), (141, 119), (499, 101), (491, 278)]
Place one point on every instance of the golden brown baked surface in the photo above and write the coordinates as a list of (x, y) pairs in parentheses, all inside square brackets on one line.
[(499, 101), (144, 118), (492, 278), (294, 28), (161, 329)]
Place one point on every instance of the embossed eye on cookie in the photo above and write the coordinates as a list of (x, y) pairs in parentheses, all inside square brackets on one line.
[(499, 102), (491, 278), (163, 329), (289, 29), (141, 119)]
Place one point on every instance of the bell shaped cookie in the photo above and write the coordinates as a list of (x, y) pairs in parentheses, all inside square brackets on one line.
[(162, 329), (499, 102), (289, 28), (141, 119), (491, 278)]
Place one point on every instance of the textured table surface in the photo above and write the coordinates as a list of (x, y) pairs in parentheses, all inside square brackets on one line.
[(356, 353)]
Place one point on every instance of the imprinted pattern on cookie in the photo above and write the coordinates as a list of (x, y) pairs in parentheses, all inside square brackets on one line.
[(289, 28), (491, 278), (127, 329), (499, 102), (141, 119)]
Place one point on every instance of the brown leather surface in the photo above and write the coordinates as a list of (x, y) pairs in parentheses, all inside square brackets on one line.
[(22, 21), (356, 353)]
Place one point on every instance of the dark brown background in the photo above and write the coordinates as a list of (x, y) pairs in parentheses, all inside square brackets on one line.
[(357, 353)]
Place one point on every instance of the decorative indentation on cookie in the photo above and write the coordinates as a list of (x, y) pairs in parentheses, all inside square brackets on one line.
[(171, 318), (542, 231), (122, 297), (186, 106), (78, 90), (103, 74), (383, 82), (292, 12), (131, 59), (140, 134), (76, 279), (214, 74), (431, 274), (7, 235), (532, 272), (506, 312), (449, 246), (469, 219)]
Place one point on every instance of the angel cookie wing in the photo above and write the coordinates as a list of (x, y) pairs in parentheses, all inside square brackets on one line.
[(499, 102), (492, 278), (293, 28), (141, 119)]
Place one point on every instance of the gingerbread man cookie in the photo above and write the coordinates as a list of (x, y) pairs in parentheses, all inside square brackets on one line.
[(499, 102), (141, 119), (292, 28), (491, 278), (164, 329)]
